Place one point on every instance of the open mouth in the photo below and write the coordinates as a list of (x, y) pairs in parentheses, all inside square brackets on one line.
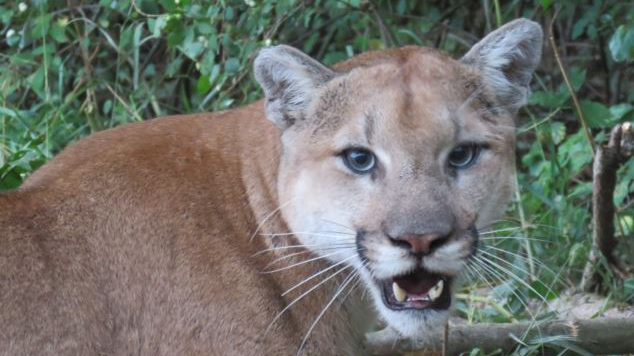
[(417, 290)]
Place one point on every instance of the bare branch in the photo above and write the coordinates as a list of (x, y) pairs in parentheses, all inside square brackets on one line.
[(598, 336), (607, 161)]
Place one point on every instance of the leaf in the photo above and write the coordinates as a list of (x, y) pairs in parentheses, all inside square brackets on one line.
[(628, 286), (597, 114), (576, 152), (544, 291), (622, 43), (577, 78), (204, 27), (546, 4), (36, 81), (58, 33), (557, 132), (232, 65), (8, 112), (579, 27), (203, 85), (191, 47), (10, 180), (42, 25), (547, 99), (157, 25), (620, 111)]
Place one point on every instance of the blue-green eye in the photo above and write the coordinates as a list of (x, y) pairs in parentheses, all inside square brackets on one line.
[(359, 160), (463, 156)]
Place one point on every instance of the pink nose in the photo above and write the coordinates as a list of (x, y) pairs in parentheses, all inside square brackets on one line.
[(420, 244)]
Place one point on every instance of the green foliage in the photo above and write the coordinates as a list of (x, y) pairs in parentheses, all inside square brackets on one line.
[(70, 70)]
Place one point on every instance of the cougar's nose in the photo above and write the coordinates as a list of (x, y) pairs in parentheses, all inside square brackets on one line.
[(421, 244)]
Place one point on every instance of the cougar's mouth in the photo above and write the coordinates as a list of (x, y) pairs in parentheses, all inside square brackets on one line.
[(417, 290)]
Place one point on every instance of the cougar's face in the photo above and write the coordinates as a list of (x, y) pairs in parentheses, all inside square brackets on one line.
[(391, 166), (394, 175)]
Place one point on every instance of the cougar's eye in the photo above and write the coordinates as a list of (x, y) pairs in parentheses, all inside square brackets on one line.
[(464, 155), (359, 160)]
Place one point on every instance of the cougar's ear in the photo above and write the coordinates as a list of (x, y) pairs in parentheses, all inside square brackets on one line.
[(507, 58), (289, 79)]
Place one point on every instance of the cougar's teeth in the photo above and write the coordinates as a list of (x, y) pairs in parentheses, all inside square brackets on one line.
[(436, 290), (399, 292)]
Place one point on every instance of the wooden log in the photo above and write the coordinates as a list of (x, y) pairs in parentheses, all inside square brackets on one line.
[(597, 336)]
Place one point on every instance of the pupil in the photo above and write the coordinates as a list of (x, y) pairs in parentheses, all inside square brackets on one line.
[(360, 158), (461, 156)]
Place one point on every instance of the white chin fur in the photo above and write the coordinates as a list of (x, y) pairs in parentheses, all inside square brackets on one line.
[(408, 323)]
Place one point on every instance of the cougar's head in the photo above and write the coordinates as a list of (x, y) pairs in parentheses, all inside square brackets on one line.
[(392, 163)]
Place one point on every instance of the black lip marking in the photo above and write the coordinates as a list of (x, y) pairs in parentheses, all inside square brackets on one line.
[(476, 241), (360, 249)]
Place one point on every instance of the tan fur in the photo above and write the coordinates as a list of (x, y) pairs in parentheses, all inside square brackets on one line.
[(147, 238)]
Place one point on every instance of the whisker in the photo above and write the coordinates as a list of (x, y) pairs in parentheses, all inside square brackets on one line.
[(319, 234), (327, 233), (310, 246), (303, 295), (268, 216), (518, 238), (340, 224), (317, 274), (517, 278), (539, 263), (304, 262), (354, 286), (339, 290), (501, 278), (290, 255), (534, 321), (491, 232)]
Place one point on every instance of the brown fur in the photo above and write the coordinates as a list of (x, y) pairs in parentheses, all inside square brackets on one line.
[(147, 239), (136, 240)]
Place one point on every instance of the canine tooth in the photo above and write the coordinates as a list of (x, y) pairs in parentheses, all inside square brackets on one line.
[(436, 290), (399, 292)]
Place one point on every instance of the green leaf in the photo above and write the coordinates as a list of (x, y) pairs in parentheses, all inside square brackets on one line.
[(557, 132), (579, 27), (42, 25), (548, 99), (622, 43), (10, 180), (544, 291), (577, 78), (157, 25), (36, 80), (232, 65), (204, 27), (192, 48), (229, 14), (597, 114), (620, 111), (546, 4), (203, 85), (58, 32), (628, 286)]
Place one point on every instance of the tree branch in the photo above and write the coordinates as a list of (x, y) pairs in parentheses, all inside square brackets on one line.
[(607, 161), (598, 336)]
